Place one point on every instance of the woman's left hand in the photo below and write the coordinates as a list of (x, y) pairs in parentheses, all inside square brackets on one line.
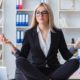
[(77, 44)]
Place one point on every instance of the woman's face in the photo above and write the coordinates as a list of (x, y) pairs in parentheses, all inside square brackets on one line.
[(42, 15)]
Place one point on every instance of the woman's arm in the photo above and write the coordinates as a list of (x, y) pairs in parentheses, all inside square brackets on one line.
[(25, 46), (66, 54), (63, 47)]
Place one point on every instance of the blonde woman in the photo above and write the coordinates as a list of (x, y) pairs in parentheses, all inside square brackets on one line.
[(43, 41)]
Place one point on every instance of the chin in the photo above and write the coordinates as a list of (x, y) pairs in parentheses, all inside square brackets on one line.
[(42, 22)]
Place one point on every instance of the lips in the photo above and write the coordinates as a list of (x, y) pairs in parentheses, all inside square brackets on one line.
[(41, 18)]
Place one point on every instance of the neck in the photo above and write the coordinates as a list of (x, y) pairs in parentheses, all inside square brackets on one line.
[(44, 27)]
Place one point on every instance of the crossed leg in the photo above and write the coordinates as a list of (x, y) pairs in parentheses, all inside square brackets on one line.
[(32, 73)]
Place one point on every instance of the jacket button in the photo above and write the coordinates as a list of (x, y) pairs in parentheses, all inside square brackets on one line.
[(47, 66)]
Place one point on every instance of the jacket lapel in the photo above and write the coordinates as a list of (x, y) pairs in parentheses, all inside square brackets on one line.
[(36, 41), (53, 41), (52, 45)]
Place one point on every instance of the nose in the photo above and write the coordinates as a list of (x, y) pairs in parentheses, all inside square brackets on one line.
[(41, 14)]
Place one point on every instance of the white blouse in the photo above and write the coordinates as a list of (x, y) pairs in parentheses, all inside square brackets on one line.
[(44, 44)]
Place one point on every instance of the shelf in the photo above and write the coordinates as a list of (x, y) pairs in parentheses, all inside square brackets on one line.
[(69, 44), (23, 10), (21, 27), (69, 27), (69, 10)]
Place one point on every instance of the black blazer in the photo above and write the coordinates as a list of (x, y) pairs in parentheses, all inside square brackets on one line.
[(31, 45)]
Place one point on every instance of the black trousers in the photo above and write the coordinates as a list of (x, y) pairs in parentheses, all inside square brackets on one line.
[(32, 73)]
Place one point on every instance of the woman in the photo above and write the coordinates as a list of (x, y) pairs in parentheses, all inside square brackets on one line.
[(43, 41)]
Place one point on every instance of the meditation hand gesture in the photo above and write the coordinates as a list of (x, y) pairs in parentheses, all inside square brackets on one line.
[(77, 44), (4, 40)]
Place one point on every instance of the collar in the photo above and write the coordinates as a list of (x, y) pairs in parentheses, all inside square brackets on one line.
[(38, 29)]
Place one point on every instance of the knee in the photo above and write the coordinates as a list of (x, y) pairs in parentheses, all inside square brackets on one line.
[(75, 62)]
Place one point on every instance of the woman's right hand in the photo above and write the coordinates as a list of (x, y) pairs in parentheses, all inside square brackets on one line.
[(4, 40)]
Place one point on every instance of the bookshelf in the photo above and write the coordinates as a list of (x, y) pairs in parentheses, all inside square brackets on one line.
[(1, 31), (69, 20), (24, 13), (69, 17)]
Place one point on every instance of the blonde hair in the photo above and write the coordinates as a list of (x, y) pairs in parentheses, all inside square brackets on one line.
[(51, 17)]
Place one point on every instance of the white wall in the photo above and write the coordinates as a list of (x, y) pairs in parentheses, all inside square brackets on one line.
[(10, 32)]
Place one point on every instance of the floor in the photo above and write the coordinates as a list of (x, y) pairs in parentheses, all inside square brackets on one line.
[(76, 75)]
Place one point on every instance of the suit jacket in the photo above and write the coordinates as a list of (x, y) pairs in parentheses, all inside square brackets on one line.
[(31, 45)]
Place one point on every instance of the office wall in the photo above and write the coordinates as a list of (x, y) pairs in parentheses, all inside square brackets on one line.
[(10, 32)]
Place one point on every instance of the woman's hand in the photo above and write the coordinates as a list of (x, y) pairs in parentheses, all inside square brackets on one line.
[(4, 40), (77, 44)]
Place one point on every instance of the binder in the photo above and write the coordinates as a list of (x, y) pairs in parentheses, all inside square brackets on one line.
[(26, 21), (18, 36), (22, 19), (17, 4), (22, 35), (17, 19), (20, 4)]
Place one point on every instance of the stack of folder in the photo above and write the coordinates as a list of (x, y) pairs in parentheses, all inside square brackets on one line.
[(19, 4), (22, 19), (19, 36)]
